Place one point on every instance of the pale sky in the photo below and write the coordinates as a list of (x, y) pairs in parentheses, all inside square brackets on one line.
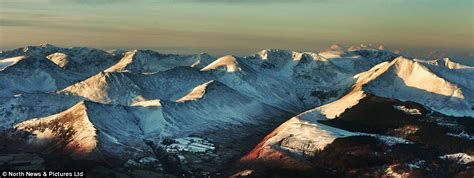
[(238, 26)]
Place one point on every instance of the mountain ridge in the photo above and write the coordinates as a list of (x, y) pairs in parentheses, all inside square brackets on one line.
[(196, 111)]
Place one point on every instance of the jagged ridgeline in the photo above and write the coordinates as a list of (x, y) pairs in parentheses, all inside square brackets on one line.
[(126, 111)]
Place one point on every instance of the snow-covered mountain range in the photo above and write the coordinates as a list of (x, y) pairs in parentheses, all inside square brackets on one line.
[(276, 107)]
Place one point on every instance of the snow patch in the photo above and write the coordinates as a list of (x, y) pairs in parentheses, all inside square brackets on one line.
[(59, 59), (190, 144), (229, 62), (460, 158), (196, 93), (411, 111), (416, 164), (389, 140), (147, 103), (4, 63), (463, 135)]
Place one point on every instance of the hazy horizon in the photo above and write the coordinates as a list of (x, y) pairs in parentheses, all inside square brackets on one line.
[(240, 27)]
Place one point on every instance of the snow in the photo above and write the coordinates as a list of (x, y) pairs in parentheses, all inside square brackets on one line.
[(147, 103), (148, 62), (463, 135), (334, 109), (389, 140), (417, 164), (411, 111), (36, 80), (403, 77), (48, 63), (127, 88), (106, 88), (219, 107), (59, 59), (88, 128), (190, 144), (407, 130), (244, 173), (18, 108), (123, 128), (4, 63), (41, 77), (151, 120), (400, 79), (301, 136), (445, 62), (460, 158), (229, 62), (143, 94), (196, 93), (330, 54), (83, 139)]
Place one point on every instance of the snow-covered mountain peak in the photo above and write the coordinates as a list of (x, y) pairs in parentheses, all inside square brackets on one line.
[(446, 62), (211, 89), (128, 58), (415, 75), (43, 46), (406, 80), (40, 50), (140, 101), (106, 87), (373, 54), (46, 45), (275, 53), (229, 63), (196, 93), (72, 125), (88, 128), (280, 54), (59, 59), (297, 136), (148, 61), (142, 61)]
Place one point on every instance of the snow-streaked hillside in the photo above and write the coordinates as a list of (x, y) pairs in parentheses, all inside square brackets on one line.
[(33, 75), (4, 63), (127, 88), (401, 79), (87, 129), (214, 105), (147, 61), (106, 87), (20, 107), (47, 68), (408, 80), (81, 61), (115, 124), (191, 112), (229, 63), (297, 81), (298, 136)]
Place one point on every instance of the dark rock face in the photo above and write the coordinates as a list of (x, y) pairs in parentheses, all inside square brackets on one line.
[(432, 136)]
